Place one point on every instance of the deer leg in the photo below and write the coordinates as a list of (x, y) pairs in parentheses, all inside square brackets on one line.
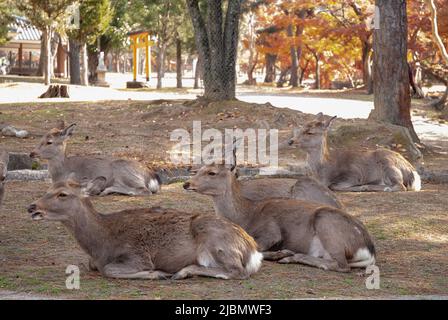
[(122, 190), (277, 255), (331, 265), (124, 271), (92, 266), (365, 188), (195, 270), (267, 236)]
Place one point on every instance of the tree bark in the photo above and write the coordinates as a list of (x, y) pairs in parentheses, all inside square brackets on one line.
[(75, 67), (270, 60), (159, 64), (293, 80), (217, 46), (84, 65), (40, 68), (366, 67), (179, 63), (197, 74), (435, 30), (317, 84), (47, 61), (392, 99)]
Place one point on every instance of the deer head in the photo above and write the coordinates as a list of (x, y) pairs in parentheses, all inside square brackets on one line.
[(63, 201), (312, 134), (53, 143)]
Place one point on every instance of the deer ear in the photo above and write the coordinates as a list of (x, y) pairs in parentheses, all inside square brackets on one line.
[(329, 122), (68, 132)]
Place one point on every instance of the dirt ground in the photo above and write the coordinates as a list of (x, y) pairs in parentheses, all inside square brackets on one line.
[(410, 229)]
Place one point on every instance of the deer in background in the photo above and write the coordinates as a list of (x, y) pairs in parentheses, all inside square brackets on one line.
[(4, 159), (353, 170), (288, 230), (150, 243), (122, 176)]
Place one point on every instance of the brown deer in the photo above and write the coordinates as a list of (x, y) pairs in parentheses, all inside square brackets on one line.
[(4, 159), (288, 230), (303, 188), (353, 170), (126, 177), (152, 243)]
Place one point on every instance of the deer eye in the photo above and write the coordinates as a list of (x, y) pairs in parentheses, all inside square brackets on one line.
[(62, 195), (49, 142), (211, 173)]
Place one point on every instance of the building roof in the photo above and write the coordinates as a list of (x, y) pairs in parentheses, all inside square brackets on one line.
[(24, 30)]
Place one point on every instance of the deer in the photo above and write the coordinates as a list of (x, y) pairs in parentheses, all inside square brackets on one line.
[(304, 188), (126, 177), (353, 170), (4, 159), (288, 230), (149, 243)]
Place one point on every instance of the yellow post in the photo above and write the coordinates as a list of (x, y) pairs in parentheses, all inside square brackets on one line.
[(134, 57), (148, 63)]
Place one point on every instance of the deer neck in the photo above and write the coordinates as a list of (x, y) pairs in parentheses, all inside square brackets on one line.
[(318, 158), (56, 166), (88, 230), (233, 205)]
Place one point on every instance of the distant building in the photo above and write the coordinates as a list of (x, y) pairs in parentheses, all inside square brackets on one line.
[(21, 54)]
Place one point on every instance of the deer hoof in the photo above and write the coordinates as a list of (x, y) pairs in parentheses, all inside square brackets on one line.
[(180, 276), (388, 189)]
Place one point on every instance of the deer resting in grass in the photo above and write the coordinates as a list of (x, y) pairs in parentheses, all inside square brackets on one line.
[(353, 170), (4, 159), (152, 243), (288, 230), (127, 177)]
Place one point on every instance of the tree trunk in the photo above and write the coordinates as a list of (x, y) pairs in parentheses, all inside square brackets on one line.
[(217, 46), (392, 99), (92, 62), (282, 78), (84, 65), (179, 63), (159, 64), (75, 67), (293, 80), (197, 74), (317, 84), (270, 60), (47, 61), (366, 67)]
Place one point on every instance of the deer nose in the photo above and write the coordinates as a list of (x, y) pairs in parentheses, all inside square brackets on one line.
[(32, 208), (33, 154), (290, 142), (186, 185)]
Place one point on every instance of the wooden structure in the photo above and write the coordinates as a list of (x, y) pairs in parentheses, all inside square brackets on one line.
[(140, 39)]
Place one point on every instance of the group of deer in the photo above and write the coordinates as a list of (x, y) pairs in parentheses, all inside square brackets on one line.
[(284, 220)]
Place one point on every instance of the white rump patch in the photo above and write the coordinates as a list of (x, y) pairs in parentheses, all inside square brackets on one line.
[(153, 185), (254, 262), (417, 184), (362, 258)]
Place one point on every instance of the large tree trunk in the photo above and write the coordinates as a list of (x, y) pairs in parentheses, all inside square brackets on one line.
[(366, 67), (84, 65), (217, 46), (75, 67), (392, 99), (93, 61), (179, 63), (270, 60)]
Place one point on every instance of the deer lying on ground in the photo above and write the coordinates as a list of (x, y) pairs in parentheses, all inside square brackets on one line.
[(126, 177), (150, 243), (288, 230), (304, 188), (353, 170), (4, 159)]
